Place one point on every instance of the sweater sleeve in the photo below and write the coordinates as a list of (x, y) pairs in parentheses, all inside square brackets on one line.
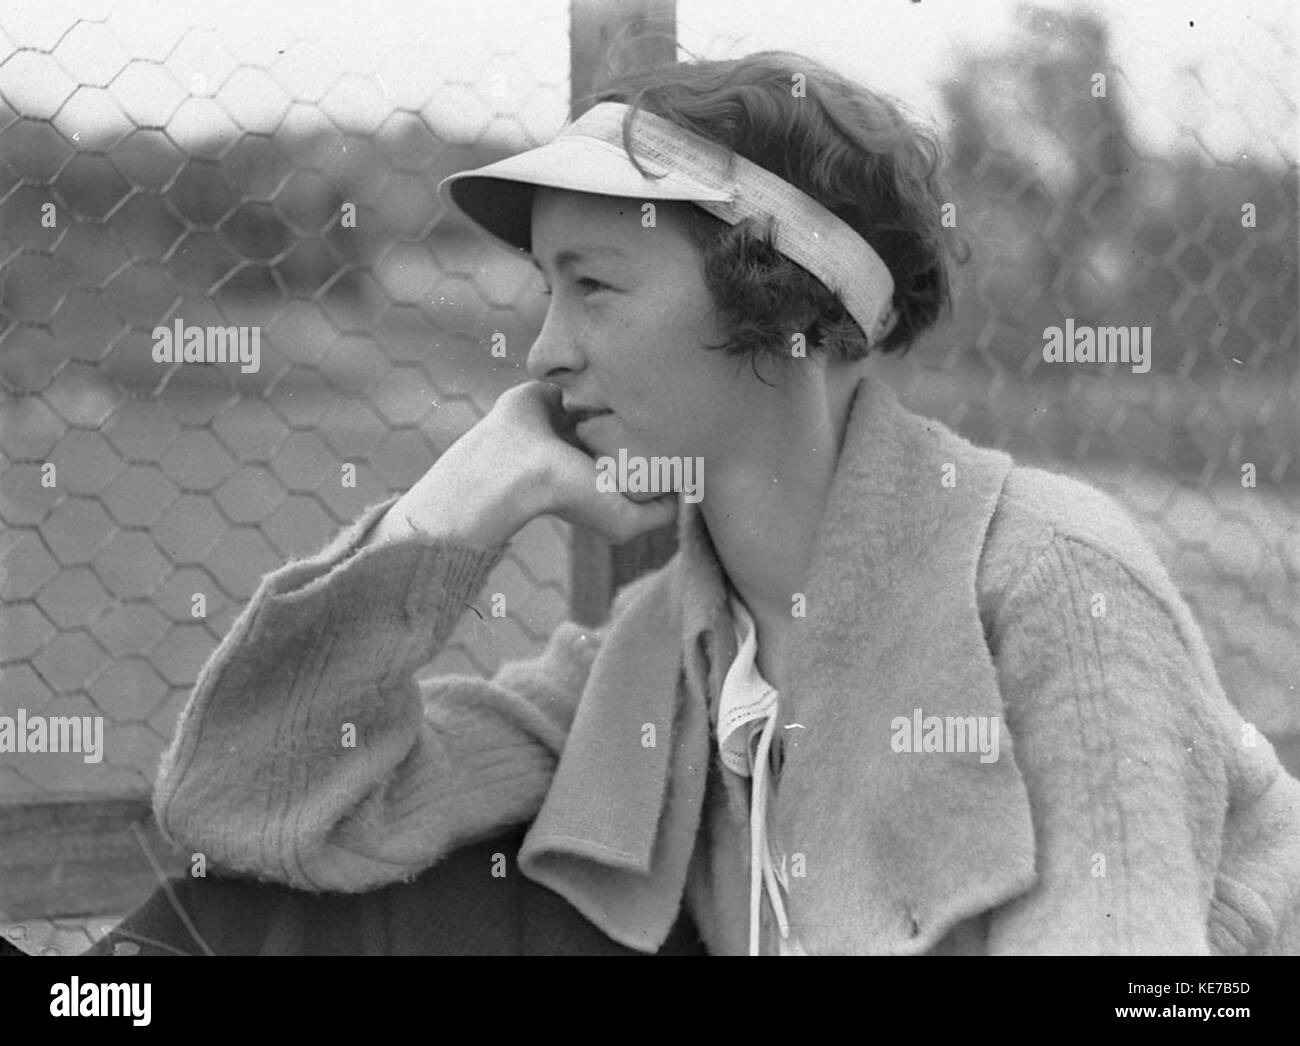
[(308, 755), (1121, 731)]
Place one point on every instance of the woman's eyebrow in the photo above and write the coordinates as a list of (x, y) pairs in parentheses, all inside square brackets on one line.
[(571, 255)]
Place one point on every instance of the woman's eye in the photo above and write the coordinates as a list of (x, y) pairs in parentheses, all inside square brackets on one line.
[(586, 283)]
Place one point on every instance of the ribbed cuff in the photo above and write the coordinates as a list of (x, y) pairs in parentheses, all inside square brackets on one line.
[(350, 620), (416, 585)]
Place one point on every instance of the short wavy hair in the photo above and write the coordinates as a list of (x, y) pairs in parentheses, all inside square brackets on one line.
[(848, 147)]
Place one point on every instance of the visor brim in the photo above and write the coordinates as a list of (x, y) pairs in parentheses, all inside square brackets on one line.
[(498, 198)]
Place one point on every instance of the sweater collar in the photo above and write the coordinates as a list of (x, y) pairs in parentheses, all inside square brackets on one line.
[(907, 842)]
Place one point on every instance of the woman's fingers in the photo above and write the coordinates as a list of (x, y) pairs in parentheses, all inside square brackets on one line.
[(531, 415), (616, 517)]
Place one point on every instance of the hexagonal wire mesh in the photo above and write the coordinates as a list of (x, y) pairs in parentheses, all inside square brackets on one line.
[(205, 179), (221, 204)]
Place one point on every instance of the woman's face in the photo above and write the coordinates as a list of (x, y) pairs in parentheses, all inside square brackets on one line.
[(627, 318)]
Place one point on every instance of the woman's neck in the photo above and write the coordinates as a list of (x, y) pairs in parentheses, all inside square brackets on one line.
[(763, 512)]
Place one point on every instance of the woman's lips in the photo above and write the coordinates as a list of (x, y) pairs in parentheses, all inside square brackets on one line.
[(590, 415)]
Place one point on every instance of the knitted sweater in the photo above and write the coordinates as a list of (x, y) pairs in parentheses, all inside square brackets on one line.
[(1129, 808)]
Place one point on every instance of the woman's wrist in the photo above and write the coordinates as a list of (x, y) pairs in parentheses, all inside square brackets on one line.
[(482, 510)]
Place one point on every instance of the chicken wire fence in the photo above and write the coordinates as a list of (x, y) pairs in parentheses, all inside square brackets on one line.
[(292, 193), (219, 195)]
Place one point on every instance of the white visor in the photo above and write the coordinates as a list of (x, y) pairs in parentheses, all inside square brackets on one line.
[(588, 156)]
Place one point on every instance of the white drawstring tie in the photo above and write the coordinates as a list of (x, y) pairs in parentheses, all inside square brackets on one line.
[(748, 706)]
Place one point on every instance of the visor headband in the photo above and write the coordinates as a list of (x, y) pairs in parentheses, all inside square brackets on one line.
[(803, 230)]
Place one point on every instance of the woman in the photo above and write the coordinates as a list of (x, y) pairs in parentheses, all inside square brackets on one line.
[(873, 705)]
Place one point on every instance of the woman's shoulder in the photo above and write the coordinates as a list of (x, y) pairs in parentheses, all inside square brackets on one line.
[(1042, 516), (1067, 576)]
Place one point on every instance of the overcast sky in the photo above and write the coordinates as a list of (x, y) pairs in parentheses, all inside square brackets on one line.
[(1229, 69)]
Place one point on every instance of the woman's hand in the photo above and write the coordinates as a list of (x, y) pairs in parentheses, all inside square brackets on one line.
[(569, 471), (520, 461)]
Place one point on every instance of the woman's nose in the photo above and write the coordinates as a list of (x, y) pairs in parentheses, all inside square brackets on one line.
[(555, 350)]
